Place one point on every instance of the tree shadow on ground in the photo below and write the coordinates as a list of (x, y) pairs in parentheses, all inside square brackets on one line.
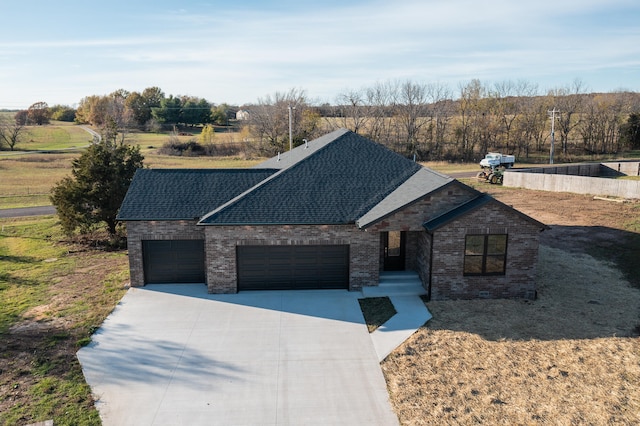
[(606, 244), (584, 292)]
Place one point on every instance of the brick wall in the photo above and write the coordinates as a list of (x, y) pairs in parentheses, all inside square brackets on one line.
[(412, 217), (155, 230), (221, 242), (423, 257), (447, 280)]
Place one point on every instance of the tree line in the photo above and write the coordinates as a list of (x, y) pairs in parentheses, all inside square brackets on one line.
[(150, 109), (433, 122), (428, 121)]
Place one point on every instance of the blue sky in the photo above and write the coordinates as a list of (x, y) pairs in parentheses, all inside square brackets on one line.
[(237, 52)]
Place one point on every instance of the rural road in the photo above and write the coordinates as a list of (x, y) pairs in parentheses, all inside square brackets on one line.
[(28, 211), (460, 175), (42, 210)]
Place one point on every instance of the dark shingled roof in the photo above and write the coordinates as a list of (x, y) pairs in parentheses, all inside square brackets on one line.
[(422, 183), (334, 184), (178, 194), (470, 206)]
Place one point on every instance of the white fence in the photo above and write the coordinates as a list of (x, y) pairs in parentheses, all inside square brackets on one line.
[(580, 179)]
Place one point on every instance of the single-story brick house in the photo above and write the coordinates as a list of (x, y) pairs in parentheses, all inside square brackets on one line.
[(333, 213)]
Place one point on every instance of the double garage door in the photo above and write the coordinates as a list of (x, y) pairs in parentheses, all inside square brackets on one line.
[(293, 267), (259, 267)]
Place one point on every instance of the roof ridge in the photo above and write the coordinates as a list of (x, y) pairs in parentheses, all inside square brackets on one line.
[(273, 177), (323, 141), (207, 170)]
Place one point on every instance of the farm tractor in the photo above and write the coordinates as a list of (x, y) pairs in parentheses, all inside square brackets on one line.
[(493, 166)]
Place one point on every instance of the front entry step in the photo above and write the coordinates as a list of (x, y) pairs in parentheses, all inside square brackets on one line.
[(400, 283)]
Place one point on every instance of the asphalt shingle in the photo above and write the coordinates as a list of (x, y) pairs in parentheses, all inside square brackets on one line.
[(180, 194), (335, 184), (421, 184)]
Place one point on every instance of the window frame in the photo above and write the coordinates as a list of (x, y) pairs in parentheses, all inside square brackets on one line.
[(484, 255)]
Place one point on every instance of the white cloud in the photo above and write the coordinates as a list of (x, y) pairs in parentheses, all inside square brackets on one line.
[(246, 50)]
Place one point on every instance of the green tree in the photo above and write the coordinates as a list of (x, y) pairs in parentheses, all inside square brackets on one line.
[(38, 113), (630, 131), (99, 180), (62, 113), (140, 105), (220, 114), (136, 105), (208, 134), (169, 112)]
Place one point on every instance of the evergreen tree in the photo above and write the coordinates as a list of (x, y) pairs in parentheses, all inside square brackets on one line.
[(630, 131), (100, 178)]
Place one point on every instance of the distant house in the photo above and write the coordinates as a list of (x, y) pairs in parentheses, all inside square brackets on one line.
[(242, 115), (334, 213)]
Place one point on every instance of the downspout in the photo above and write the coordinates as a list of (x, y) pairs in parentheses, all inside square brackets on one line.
[(430, 268)]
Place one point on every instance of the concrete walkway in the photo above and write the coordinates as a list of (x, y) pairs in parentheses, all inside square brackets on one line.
[(404, 290), (175, 355), (411, 315)]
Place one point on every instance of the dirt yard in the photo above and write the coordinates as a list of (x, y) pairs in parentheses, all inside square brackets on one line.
[(570, 357)]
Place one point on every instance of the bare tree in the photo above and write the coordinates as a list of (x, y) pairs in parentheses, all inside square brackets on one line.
[(470, 113), (603, 115), (411, 113), (353, 109), (269, 119), (380, 99), (440, 114), (569, 101), (531, 127), (11, 132)]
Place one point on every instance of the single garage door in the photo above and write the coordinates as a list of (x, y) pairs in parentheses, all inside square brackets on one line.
[(293, 267), (173, 261)]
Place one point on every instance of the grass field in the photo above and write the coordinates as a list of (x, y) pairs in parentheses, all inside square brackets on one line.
[(54, 295), (28, 175)]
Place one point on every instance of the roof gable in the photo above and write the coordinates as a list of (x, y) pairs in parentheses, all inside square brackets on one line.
[(184, 194), (422, 183), (470, 206), (335, 180)]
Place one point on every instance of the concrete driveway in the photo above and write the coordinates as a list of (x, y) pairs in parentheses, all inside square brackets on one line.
[(175, 355)]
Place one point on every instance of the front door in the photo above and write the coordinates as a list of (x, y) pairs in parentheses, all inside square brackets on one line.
[(394, 250)]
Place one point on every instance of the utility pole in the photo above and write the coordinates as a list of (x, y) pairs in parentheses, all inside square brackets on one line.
[(552, 114), (290, 128)]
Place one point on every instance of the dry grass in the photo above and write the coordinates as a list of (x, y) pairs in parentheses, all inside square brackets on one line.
[(568, 358), (31, 176), (33, 173)]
